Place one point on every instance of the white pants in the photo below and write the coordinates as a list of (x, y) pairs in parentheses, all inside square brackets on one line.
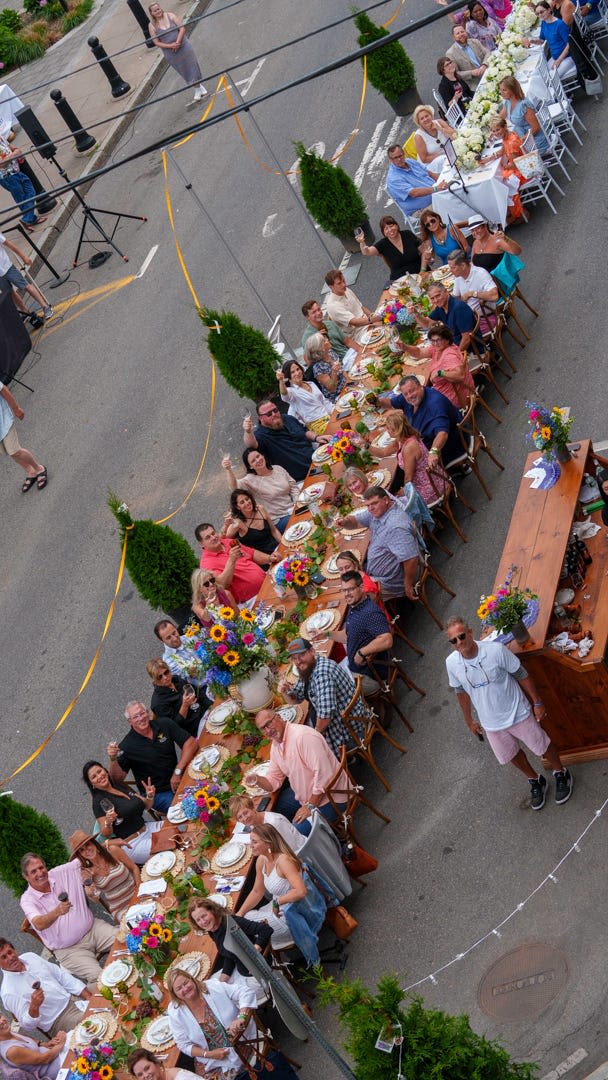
[(140, 847)]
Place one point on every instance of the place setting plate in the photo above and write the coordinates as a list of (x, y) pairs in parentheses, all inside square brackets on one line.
[(175, 814), (157, 1035), (297, 532), (379, 477), (216, 717), (319, 622), (211, 758), (164, 862), (321, 454), (101, 1026), (311, 493), (266, 618), (145, 909), (223, 900), (383, 440), (289, 713), (196, 964), (117, 971), (356, 394), (230, 857), (249, 779), (330, 567), (372, 336)]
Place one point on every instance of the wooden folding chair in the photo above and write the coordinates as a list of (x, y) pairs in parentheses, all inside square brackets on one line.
[(362, 741), (345, 794), (254, 1051), (394, 616), (430, 572), (473, 442), (445, 490)]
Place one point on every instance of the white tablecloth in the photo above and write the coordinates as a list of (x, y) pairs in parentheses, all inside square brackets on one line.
[(9, 105), (486, 194)]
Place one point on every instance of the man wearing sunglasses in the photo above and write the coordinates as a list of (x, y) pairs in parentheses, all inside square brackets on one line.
[(282, 440), (490, 678)]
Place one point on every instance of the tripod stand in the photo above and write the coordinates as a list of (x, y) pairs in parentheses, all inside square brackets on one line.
[(89, 215)]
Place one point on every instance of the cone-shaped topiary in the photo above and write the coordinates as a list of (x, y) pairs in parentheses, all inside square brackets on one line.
[(23, 829), (390, 69), (160, 561), (244, 355), (330, 195), (436, 1046)]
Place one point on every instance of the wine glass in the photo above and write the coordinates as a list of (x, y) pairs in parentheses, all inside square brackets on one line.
[(107, 806)]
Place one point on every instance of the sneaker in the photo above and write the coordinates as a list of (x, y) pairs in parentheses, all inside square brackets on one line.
[(539, 791), (48, 313), (563, 786), (198, 94)]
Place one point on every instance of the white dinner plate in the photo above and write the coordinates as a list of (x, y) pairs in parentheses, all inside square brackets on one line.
[(266, 619), (357, 394), (229, 853), (297, 531), (378, 477), (117, 971), (288, 712), (220, 713), (175, 814), (159, 1031), (319, 621), (94, 1027), (160, 863), (322, 453), (383, 440), (310, 493), (371, 336), (191, 964), (564, 596), (209, 756), (219, 898), (250, 777)]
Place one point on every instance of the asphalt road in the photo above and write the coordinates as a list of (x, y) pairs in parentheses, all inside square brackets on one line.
[(122, 402)]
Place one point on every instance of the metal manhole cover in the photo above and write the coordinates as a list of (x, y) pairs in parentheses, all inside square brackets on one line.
[(523, 982)]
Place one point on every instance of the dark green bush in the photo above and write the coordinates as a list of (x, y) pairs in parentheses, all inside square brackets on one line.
[(10, 20), (16, 50), (390, 69), (329, 194), (159, 561), (244, 355), (23, 829)]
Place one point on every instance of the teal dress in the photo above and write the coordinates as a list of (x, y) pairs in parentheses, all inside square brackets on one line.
[(443, 250)]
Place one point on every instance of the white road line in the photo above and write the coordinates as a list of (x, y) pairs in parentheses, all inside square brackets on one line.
[(146, 262), (270, 229), (379, 162), (369, 152), (245, 85), (569, 1063), (600, 446)]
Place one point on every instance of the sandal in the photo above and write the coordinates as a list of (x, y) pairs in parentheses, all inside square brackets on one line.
[(28, 483), (42, 480)]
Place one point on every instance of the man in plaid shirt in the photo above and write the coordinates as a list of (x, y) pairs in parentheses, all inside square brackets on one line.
[(328, 688)]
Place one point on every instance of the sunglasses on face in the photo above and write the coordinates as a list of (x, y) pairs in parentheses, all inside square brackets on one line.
[(270, 412), (459, 637)]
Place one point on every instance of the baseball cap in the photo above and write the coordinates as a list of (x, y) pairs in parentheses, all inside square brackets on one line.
[(297, 646)]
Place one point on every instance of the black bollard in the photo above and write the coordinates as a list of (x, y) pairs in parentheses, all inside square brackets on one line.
[(143, 19), (119, 86), (83, 140), (46, 204)]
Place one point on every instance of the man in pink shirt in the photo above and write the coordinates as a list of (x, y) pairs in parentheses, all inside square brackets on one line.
[(235, 566), (66, 926), (301, 756)]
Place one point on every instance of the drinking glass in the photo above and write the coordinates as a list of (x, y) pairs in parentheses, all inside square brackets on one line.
[(107, 805)]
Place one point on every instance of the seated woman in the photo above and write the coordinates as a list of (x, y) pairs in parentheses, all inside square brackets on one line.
[(206, 597), (297, 909), (489, 247), (438, 240), (519, 111), (449, 371), (415, 459), (204, 914), (398, 247), (21, 1058), (306, 402), (556, 34), (120, 811), (452, 90), (270, 483), (510, 150), (242, 809), (482, 27), (112, 872), (206, 1018), (143, 1065), (251, 522), (348, 560), (323, 365), (175, 697), (430, 137)]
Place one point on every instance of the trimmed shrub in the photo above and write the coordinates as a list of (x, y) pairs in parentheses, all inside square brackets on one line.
[(329, 194), (23, 829), (159, 561), (79, 15), (244, 355), (390, 69), (18, 49), (10, 20)]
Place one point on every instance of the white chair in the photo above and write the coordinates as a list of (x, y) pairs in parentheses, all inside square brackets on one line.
[(455, 116), (599, 29), (537, 187), (563, 113), (558, 147), (279, 346), (590, 41)]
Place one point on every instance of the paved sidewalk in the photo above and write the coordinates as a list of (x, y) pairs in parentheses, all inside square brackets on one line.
[(89, 94)]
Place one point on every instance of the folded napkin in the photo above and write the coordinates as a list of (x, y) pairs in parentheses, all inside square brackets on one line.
[(152, 888), (348, 359), (229, 884)]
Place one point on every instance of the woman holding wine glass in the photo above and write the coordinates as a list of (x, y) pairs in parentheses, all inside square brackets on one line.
[(120, 811), (109, 872), (174, 697)]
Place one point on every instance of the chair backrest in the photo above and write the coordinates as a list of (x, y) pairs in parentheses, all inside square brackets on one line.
[(409, 147), (27, 928), (439, 101), (347, 714), (274, 337), (342, 789), (455, 116)]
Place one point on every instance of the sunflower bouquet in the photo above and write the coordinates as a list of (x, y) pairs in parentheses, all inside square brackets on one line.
[(294, 572), (94, 1062), (549, 428), (230, 650), (347, 447), (399, 318), (201, 801), (506, 607)]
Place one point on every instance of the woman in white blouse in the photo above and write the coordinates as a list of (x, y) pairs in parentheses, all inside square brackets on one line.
[(206, 1017), (306, 402)]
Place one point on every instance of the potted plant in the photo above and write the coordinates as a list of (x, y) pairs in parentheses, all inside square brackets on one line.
[(160, 561), (389, 69), (506, 609), (243, 354), (23, 829), (434, 1046), (332, 199)]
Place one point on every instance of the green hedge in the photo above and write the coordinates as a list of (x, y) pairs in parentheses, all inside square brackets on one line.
[(390, 69), (23, 829)]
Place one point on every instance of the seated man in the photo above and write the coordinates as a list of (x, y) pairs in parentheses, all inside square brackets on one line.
[(302, 757), (328, 688), (409, 182), (366, 633), (236, 567), (469, 56), (317, 324), (453, 312), (167, 632), (39, 994), (432, 414), (148, 751), (476, 287), (393, 555), (56, 905), (346, 309), (282, 440)]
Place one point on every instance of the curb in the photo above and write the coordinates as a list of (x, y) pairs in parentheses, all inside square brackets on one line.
[(104, 149)]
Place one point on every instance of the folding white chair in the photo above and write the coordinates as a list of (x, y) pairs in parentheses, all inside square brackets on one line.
[(590, 41), (558, 147), (279, 346), (537, 187), (455, 116)]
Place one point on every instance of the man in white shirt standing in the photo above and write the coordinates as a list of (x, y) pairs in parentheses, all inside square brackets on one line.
[(490, 678), (40, 995), (346, 310)]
